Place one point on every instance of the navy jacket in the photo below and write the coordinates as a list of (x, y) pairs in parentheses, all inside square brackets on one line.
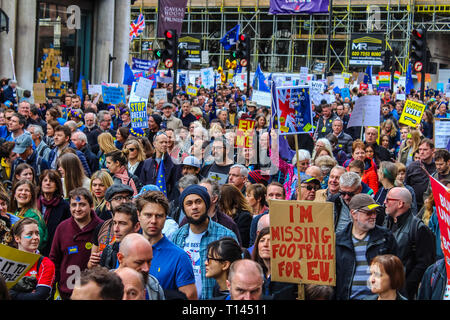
[(381, 241), (434, 281), (87, 170)]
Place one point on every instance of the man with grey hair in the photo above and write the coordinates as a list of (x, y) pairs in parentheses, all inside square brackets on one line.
[(104, 122), (169, 121), (416, 242), (133, 283), (80, 141), (344, 140), (333, 184), (349, 186), (245, 280), (42, 149), (238, 177), (136, 252), (92, 131)]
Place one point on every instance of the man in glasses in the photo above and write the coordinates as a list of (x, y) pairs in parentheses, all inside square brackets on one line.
[(104, 235), (416, 242), (309, 186), (349, 186), (357, 245)]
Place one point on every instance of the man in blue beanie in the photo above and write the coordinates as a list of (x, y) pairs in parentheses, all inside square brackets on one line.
[(195, 236)]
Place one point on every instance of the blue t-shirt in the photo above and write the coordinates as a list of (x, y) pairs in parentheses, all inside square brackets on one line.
[(171, 265)]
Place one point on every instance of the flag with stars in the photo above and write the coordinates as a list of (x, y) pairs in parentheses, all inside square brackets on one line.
[(231, 37), (161, 177)]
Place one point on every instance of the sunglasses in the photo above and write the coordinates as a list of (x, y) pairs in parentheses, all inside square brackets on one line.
[(309, 187), (214, 259), (131, 149), (350, 194)]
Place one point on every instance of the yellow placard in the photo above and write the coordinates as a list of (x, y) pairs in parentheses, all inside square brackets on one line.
[(244, 136), (412, 113), (303, 242), (14, 264), (191, 90)]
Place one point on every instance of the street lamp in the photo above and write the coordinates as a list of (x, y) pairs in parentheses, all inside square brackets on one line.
[(4, 21)]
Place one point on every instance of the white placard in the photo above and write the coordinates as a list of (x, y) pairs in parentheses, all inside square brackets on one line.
[(240, 79), (303, 70), (159, 94), (316, 93), (441, 133), (366, 112), (205, 57), (133, 96), (143, 88), (262, 98), (339, 82), (65, 74), (401, 96), (207, 75), (94, 88)]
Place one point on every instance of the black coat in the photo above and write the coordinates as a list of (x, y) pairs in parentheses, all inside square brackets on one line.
[(243, 220), (381, 241), (91, 158), (92, 136)]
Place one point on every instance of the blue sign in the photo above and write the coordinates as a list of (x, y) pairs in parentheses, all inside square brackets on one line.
[(138, 114), (113, 95)]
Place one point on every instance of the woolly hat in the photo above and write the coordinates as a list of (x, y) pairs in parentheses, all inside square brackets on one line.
[(196, 189), (157, 118)]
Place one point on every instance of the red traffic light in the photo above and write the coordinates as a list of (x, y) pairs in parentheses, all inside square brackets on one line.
[(418, 33), (242, 37), (169, 34)]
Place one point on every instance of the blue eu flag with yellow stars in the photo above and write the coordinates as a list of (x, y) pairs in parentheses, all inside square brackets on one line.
[(161, 177), (231, 37)]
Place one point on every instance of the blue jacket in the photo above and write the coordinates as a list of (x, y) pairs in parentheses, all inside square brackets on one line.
[(38, 163), (381, 241), (80, 155), (434, 281)]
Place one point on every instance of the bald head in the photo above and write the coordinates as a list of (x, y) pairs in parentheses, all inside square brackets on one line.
[(263, 222), (135, 252), (403, 194), (398, 201), (132, 242), (133, 282), (314, 171), (245, 280)]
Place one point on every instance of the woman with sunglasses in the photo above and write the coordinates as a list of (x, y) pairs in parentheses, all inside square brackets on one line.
[(135, 154), (220, 255)]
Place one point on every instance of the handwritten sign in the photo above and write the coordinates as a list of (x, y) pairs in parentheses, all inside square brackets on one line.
[(303, 242), (14, 264), (143, 88), (441, 134), (65, 74), (138, 114), (113, 95), (39, 92), (94, 88), (244, 133), (366, 112), (262, 98), (412, 113), (159, 94), (192, 91)]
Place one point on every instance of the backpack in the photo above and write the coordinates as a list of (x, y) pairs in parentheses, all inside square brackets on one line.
[(416, 222)]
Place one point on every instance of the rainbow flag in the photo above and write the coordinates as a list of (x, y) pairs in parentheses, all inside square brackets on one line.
[(396, 77)]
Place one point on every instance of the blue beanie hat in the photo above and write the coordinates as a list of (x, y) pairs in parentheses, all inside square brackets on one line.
[(196, 189)]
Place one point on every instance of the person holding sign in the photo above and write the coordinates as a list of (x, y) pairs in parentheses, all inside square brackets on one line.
[(38, 281), (356, 246)]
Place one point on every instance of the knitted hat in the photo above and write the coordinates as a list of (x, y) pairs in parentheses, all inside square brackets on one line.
[(157, 118), (198, 190)]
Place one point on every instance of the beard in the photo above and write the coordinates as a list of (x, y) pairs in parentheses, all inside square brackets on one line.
[(198, 221)]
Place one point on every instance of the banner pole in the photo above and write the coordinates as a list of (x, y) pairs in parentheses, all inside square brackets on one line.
[(301, 292), (299, 196)]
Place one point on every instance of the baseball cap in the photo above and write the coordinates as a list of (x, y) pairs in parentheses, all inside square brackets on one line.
[(117, 188), (251, 104), (307, 178), (363, 201), (192, 161), (22, 143)]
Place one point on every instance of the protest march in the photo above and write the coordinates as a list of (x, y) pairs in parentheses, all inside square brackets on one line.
[(224, 182)]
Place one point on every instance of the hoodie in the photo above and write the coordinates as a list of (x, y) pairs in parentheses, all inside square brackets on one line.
[(71, 250)]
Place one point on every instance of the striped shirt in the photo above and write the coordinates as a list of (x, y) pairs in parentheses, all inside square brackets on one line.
[(361, 275)]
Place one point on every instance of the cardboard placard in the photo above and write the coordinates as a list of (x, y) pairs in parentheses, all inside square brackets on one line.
[(14, 264), (244, 133), (412, 113), (262, 98), (138, 114), (303, 242), (39, 92)]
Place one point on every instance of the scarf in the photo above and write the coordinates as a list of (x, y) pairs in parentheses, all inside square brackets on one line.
[(49, 204), (122, 174)]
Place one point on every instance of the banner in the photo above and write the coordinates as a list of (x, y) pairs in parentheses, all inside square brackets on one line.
[(366, 49), (113, 95), (303, 242), (244, 133), (412, 113), (14, 264), (170, 15), (298, 6), (366, 112), (294, 110), (442, 202), (143, 65)]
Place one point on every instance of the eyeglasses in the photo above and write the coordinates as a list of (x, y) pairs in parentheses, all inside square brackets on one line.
[(310, 187), (131, 149), (369, 213), (120, 198), (349, 194), (392, 199), (214, 259)]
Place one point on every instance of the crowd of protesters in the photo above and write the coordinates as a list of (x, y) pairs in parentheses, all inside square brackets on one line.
[(179, 211)]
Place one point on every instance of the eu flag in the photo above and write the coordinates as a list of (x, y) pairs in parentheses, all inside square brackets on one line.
[(128, 76), (80, 88), (409, 85), (368, 75), (260, 80), (231, 37), (161, 177)]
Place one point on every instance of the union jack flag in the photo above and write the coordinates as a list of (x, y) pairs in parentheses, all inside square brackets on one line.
[(137, 27)]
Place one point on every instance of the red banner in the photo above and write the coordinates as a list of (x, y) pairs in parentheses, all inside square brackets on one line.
[(442, 202)]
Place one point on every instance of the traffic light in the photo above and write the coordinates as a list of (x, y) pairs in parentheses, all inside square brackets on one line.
[(243, 51), (183, 63), (418, 50), (171, 47), (386, 57)]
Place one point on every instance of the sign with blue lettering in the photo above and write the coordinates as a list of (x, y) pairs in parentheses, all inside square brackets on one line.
[(138, 114), (113, 95)]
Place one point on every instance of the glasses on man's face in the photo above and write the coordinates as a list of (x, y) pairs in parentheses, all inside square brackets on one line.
[(122, 198), (348, 194), (392, 199), (310, 187)]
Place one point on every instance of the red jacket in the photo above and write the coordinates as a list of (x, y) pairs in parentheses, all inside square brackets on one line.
[(71, 250), (370, 176)]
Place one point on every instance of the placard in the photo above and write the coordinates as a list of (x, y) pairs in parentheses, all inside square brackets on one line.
[(113, 95), (65, 74), (366, 112), (143, 88), (14, 264), (244, 133), (303, 242), (39, 93), (192, 91), (207, 75), (412, 113), (400, 96), (159, 94), (441, 134), (262, 98), (294, 110), (138, 114), (94, 88), (317, 89)]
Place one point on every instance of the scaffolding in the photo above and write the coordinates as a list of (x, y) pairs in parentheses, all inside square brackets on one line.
[(284, 43)]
